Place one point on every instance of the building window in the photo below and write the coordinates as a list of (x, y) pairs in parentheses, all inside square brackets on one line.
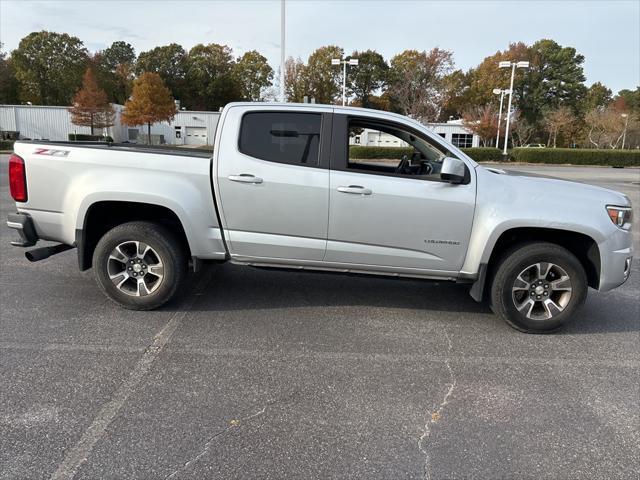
[(133, 134), (462, 140), (282, 137), (443, 135)]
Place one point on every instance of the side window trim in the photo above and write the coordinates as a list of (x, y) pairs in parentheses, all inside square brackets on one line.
[(324, 144)]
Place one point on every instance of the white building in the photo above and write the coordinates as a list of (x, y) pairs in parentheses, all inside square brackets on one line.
[(54, 123), (453, 131), (187, 128)]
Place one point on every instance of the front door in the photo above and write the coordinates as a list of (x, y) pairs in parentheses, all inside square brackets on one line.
[(273, 183), (388, 205)]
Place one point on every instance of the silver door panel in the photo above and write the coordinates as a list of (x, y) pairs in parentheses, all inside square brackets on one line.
[(404, 222)]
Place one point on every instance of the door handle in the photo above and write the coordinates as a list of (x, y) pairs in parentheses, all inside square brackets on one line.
[(245, 178), (356, 190)]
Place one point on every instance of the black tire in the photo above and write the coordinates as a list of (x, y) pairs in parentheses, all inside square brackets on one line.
[(507, 289), (165, 248)]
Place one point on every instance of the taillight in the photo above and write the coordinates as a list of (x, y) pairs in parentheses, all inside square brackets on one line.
[(17, 178)]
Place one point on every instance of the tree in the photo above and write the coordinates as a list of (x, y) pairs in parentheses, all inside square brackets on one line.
[(295, 86), (49, 67), (8, 82), (323, 80), (114, 68), (210, 79), (150, 102), (631, 101), (606, 127), (521, 130), (476, 86), (555, 121), (416, 82), (91, 108), (482, 121), (170, 62), (119, 53), (555, 78), (454, 87), (254, 74), (369, 76), (597, 96)]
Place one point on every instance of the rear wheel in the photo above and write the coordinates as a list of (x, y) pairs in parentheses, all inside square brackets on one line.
[(140, 265), (538, 287)]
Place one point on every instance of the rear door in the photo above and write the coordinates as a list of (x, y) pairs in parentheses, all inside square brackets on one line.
[(273, 179)]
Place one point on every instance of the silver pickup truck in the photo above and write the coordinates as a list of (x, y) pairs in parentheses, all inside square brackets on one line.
[(322, 188)]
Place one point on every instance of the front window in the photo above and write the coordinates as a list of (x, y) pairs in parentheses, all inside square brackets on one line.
[(392, 149)]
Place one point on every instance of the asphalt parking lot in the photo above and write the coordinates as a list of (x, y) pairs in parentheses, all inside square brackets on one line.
[(259, 374)]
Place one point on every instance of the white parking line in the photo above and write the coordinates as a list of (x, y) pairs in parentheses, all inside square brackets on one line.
[(82, 450)]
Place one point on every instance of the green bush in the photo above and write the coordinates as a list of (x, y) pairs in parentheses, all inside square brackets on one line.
[(574, 156), (484, 154), (6, 144), (358, 151), (84, 137)]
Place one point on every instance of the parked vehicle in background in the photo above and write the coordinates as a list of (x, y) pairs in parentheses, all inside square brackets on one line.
[(534, 145), (283, 191)]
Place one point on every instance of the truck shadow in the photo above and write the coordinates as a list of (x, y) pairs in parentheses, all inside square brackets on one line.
[(235, 287), (238, 288)]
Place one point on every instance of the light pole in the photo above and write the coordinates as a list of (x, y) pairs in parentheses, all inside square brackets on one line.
[(501, 92), (282, 60), (352, 62), (513, 65), (624, 132)]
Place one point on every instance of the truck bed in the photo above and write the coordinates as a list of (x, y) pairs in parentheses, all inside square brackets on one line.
[(66, 181)]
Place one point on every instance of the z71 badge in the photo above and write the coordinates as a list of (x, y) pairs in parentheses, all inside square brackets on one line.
[(52, 152)]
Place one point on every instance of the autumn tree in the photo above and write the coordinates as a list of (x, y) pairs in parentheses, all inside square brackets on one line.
[(454, 88), (475, 88), (49, 67), (150, 102), (416, 80), (91, 108), (483, 122), (369, 76), (323, 80), (295, 87)]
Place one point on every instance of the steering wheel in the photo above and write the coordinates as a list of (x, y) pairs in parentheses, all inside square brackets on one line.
[(402, 166)]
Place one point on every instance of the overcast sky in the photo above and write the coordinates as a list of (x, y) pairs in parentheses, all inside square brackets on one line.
[(606, 32)]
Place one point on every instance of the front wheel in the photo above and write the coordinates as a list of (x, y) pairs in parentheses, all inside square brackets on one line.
[(140, 265), (538, 287)]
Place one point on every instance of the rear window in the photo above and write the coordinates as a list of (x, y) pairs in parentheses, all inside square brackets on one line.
[(282, 137)]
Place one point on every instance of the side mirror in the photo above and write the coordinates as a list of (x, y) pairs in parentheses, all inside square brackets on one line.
[(453, 170)]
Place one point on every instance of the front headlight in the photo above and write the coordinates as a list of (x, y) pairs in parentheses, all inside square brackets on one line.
[(620, 216)]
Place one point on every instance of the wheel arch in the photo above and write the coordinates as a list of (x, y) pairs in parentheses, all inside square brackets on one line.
[(584, 247), (102, 216)]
